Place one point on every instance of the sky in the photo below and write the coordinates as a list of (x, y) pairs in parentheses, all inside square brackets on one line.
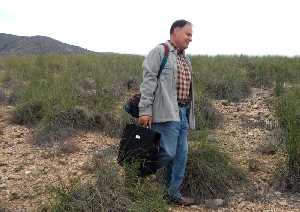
[(231, 27)]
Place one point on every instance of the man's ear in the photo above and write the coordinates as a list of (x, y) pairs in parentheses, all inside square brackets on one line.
[(176, 30)]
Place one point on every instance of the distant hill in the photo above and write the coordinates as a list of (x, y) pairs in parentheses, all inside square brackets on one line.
[(13, 44)]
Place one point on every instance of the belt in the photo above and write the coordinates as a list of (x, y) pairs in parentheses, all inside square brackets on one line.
[(183, 104)]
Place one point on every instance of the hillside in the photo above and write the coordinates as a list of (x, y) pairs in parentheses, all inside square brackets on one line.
[(13, 44), (30, 169), (61, 118)]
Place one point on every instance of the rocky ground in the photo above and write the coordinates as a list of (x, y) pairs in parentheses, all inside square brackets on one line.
[(249, 134), (27, 170)]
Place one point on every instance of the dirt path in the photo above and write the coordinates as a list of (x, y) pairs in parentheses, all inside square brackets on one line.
[(247, 134), (250, 135)]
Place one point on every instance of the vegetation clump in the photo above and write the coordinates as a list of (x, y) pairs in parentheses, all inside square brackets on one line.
[(210, 174), (288, 111), (110, 191)]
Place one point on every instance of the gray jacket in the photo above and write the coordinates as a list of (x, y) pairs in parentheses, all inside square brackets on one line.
[(161, 103)]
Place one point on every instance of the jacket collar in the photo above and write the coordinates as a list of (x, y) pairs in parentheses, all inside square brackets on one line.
[(174, 49)]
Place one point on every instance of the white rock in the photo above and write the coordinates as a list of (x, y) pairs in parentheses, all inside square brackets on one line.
[(277, 193), (283, 202), (214, 203), (219, 202)]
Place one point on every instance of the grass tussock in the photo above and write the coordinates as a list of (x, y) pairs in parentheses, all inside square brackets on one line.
[(111, 191), (63, 124), (288, 111), (68, 91), (230, 77), (28, 113), (206, 115), (219, 78), (43, 87), (210, 174)]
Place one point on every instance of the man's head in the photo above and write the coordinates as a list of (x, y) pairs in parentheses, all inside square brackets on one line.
[(181, 33)]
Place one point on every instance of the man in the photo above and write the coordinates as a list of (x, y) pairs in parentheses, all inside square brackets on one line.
[(167, 105)]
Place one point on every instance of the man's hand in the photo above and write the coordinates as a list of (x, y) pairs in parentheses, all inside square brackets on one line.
[(145, 121)]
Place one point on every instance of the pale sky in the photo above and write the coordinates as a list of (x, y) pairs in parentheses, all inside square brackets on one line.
[(250, 27)]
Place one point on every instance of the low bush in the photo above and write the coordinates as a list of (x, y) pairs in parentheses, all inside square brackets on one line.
[(205, 114), (221, 77), (210, 173), (286, 178), (109, 192), (288, 112), (63, 124), (63, 93), (231, 85), (28, 113)]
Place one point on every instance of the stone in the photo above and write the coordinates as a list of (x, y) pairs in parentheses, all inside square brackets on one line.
[(14, 196), (3, 186), (268, 149), (212, 139), (282, 202), (250, 134), (27, 172), (3, 164), (214, 203), (253, 165), (225, 103)]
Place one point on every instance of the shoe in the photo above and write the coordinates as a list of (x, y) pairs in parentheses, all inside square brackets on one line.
[(183, 201)]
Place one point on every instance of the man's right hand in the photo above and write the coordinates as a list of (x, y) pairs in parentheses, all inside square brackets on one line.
[(145, 121)]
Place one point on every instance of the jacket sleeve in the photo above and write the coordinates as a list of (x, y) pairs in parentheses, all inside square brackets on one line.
[(151, 66)]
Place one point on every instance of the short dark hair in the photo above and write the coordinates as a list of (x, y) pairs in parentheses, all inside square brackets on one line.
[(179, 23)]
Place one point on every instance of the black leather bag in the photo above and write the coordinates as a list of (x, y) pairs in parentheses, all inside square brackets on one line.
[(140, 145)]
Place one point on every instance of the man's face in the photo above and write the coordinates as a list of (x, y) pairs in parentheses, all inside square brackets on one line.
[(183, 36)]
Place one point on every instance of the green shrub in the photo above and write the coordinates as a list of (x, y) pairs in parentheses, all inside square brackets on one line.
[(221, 77), (3, 95), (109, 192), (261, 75), (288, 111), (61, 93), (106, 194), (232, 85), (28, 113), (63, 124), (206, 115), (210, 174), (43, 86), (286, 179)]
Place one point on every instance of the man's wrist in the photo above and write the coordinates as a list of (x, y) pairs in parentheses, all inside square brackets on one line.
[(145, 111)]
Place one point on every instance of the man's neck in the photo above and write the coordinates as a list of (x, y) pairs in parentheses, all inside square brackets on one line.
[(173, 43), (181, 51)]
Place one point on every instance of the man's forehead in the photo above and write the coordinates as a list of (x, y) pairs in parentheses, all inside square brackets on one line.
[(187, 27)]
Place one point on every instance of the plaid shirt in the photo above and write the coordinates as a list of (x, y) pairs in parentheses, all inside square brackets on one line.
[(183, 79)]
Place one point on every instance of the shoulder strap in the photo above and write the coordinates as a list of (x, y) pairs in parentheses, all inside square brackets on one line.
[(165, 59), (163, 63)]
